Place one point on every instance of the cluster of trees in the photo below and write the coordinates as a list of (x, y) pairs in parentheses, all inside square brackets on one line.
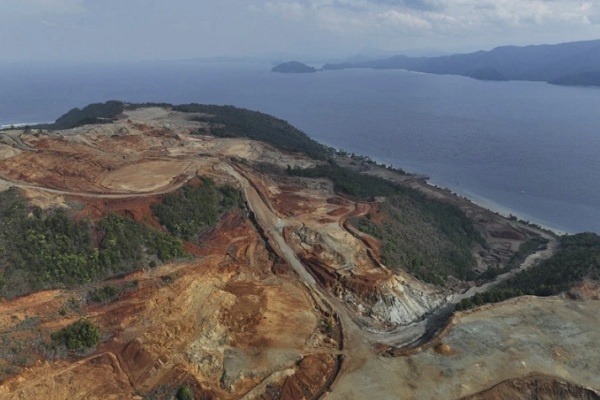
[(184, 393), (96, 113), (104, 294), (224, 121), (525, 249), (79, 336), (127, 244), (577, 258), (43, 250), (348, 182), (110, 292), (427, 238), (229, 121), (192, 209)]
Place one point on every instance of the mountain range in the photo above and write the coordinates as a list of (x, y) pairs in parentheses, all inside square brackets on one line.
[(573, 63)]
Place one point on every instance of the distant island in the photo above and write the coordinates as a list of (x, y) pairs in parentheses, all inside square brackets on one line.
[(293, 67), (573, 63)]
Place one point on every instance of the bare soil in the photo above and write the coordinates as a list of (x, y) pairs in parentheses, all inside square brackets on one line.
[(291, 302)]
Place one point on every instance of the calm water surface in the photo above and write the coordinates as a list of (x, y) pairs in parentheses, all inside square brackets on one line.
[(527, 148)]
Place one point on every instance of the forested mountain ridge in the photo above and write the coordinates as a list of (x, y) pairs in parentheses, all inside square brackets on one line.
[(548, 63)]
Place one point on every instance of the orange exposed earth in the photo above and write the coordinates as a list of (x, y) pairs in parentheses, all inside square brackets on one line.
[(292, 302)]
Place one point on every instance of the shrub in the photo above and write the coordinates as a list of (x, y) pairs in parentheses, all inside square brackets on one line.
[(79, 336), (184, 393), (578, 258), (104, 294)]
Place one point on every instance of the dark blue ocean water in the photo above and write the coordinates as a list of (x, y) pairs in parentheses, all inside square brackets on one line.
[(531, 149)]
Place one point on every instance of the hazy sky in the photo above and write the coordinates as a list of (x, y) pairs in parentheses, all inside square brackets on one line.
[(153, 29)]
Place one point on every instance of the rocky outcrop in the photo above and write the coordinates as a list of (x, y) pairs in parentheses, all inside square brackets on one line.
[(400, 304), (385, 300)]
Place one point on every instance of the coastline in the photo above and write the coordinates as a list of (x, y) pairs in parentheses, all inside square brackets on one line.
[(460, 192), (18, 125), (499, 209), (391, 172)]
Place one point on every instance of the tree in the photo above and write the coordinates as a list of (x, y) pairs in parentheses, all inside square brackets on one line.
[(184, 393), (79, 336)]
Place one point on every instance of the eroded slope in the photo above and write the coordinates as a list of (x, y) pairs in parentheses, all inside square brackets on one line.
[(284, 298)]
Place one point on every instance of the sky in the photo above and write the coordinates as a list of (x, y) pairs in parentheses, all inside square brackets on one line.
[(129, 30)]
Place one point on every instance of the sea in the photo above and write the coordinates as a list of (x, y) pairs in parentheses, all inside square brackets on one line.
[(529, 149)]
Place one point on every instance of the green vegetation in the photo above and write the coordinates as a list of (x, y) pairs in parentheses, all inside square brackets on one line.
[(577, 258), (45, 250), (124, 241), (229, 121), (429, 239), (525, 250), (79, 336), (348, 182), (169, 392), (194, 208), (104, 294), (184, 393), (108, 293), (97, 113), (71, 305)]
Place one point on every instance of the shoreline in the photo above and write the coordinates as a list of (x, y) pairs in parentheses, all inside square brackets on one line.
[(467, 195), (474, 198), (499, 209), (19, 125), (381, 169)]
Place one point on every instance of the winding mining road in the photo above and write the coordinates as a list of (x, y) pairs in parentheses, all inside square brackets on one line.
[(410, 335), (358, 342), (270, 223)]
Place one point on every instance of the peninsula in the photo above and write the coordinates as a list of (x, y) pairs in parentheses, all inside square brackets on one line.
[(573, 63), (210, 252)]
